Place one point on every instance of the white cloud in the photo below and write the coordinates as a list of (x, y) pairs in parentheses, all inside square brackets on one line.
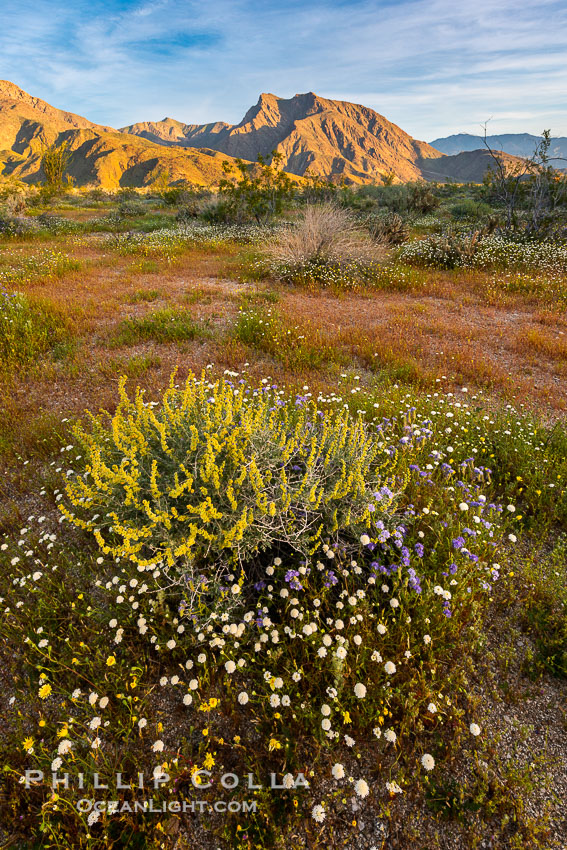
[(431, 66)]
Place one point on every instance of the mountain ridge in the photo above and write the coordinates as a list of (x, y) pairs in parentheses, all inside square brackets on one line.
[(317, 136)]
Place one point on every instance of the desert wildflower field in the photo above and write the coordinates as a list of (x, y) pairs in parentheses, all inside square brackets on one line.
[(283, 521)]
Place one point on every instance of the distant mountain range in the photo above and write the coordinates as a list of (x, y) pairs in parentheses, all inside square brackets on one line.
[(517, 144), (316, 136)]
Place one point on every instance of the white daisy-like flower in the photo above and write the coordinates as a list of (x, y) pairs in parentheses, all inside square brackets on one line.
[(326, 724), (318, 813), (65, 746), (243, 698), (142, 723), (361, 788), (338, 771), (360, 690), (390, 668), (157, 746), (230, 666), (474, 729), (432, 708), (390, 736), (187, 699), (56, 764), (381, 629), (428, 761)]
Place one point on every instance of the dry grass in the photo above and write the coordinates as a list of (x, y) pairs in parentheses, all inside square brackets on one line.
[(325, 234)]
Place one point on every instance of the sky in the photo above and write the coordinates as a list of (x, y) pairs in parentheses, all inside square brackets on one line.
[(434, 67)]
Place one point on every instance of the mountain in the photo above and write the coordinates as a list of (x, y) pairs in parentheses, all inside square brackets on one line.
[(517, 144), (99, 155), (315, 136)]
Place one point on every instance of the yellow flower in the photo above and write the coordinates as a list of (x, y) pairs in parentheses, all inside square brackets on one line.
[(44, 691), (274, 745), (346, 717), (110, 661), (27, 743), (205, 732), (209, 761), (42, 723)]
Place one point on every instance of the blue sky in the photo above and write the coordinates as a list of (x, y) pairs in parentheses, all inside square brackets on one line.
[(432, 66)]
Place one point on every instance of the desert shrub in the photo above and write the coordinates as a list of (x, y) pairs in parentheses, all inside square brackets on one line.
[(256, 191), (471, 210), (216, 211), (390, 229), (422, 198), (221, 474), (325, 235), (131, 209), (28, 330)]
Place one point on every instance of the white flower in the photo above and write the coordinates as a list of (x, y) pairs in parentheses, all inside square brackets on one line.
[(157, 746), (338, 771), (474, 729), (512, 538), (274, 700), (364, 539), (171, 644), (243, 698), (142, 723), (390, 736), (341, 652), (350, 742), (390, 668), (103, 702), (428, 761), (56, 764), (432, 708), (360, 690), (93, 817), (381, 629), (511, 508), (187, 699), (325, 710), (393, 788), (318, 813), (235, 589), (230, 666), (426, 639), (95, 722), (93, 697), (64, 747), (463, 506), (288, 781), (394, 603), (361, 788), (326, 724)]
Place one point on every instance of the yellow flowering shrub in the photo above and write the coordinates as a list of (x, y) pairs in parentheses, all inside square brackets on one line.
[(222, 470)]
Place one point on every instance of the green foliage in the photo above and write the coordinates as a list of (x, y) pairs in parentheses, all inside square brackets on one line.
[(162, 326), (28, 331), (54, 162), (256, 191)]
